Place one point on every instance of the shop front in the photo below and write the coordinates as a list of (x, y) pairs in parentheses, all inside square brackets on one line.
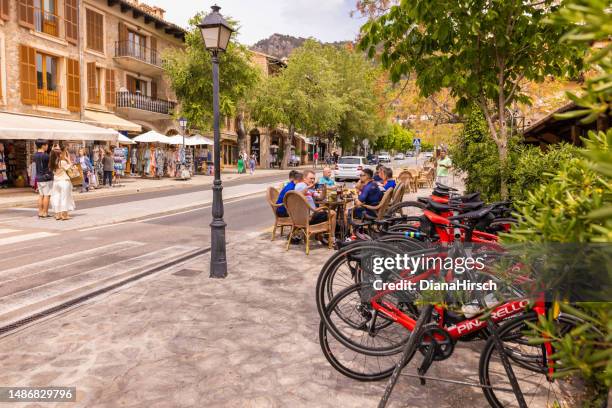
[(19, 132)]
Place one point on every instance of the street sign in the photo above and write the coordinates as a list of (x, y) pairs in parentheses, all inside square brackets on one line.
[(416, 142)]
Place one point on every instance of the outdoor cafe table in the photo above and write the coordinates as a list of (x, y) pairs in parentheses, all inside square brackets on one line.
[(338, 205)]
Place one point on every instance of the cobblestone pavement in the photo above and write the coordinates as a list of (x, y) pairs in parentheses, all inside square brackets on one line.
[(180, 339)]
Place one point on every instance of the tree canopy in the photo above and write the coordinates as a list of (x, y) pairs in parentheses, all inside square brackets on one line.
[(190, 74), (325, 91), (482, 51)]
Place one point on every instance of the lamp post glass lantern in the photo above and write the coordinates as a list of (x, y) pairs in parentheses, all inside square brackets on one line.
[(216, 34)]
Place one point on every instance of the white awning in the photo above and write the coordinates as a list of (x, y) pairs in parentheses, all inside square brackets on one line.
[(125, 140), (25, 127), (152, 137), (108, 120), (196, 140)]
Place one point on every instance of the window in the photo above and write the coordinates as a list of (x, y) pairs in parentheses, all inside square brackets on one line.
[(95, 30), (136, 86), (71, 20), (25, 9), (93, 83), (137, 45), (47, 92), (4, 9), (45, 17), (73, 80), (110, 95)]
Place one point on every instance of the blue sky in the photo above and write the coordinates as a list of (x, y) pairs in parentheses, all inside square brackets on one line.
[(327, 20)]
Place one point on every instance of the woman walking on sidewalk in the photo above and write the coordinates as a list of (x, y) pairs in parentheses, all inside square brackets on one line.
[(108, 167), (61, 194), (252, 164)]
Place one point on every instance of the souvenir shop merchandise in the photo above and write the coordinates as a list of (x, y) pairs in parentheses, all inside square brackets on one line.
[(134, 160), (120, 155), (3, 172)]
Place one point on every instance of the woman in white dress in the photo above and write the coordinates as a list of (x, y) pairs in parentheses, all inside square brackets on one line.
[(61, 195)]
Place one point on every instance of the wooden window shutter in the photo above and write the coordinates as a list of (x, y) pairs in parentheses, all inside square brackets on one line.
[(4, 9), (27, 74), (131, 84), (71, 16), (123, 33), (95, 30), (73, 79), (153, 42), (153, 90), (110, 88), (26, 13), (92, 88)]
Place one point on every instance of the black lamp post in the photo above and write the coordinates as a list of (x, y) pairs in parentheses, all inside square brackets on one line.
[(216, 34)]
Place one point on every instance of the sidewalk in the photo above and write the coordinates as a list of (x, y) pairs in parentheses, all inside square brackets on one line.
[(180, 339), (24, 197)]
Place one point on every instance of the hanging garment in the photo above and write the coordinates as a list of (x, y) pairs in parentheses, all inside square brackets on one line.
[(160, 160)]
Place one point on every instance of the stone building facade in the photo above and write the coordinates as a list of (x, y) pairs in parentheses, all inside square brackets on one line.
[(88, 60)]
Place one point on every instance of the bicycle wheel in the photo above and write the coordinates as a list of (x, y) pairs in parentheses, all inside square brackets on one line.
[(528, 362), (344, 269), (357, 366), (352, 320)]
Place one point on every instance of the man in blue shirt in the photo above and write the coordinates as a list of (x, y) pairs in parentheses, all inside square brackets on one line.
[(327, 178), (294, 178), (387, 181), (370, 194), (377, 178)]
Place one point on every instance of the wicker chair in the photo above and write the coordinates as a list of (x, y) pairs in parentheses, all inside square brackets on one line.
[(300, 212), (398, 194), (279, 222), (383, 205), (423, 179), (406, 178)]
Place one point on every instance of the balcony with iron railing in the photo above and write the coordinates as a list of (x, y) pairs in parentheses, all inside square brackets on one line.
[(143, 106), (49, 96), (136, 57), (46, 22)]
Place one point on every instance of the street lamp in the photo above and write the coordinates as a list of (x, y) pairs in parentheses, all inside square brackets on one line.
[(183, 124), (216, 34)]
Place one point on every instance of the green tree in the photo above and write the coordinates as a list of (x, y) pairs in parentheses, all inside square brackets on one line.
[(190, 74), (481, 50), (356, 88), (301, 98)]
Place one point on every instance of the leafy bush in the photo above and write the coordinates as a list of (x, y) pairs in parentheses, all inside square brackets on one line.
[(475, 153), (528, 166), (533, 167)]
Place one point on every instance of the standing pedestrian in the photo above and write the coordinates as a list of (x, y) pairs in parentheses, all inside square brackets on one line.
[(241, 168), (444, 165), (87, 170), (316, 158), (252, 163), (108, 165), (61, 195), (44, 178)]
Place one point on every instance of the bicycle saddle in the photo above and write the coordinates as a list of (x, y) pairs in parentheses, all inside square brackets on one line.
[(443, 187), (472, 215)]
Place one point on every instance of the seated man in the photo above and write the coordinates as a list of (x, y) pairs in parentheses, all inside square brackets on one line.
[(377, 177), (294, 177), (387, 179), (306, 187), (327, 178), (370, 194)]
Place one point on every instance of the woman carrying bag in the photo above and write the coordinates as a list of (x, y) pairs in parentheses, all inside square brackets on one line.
[(61, 194)]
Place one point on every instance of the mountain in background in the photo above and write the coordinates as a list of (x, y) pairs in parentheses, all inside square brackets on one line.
[(281, 45)]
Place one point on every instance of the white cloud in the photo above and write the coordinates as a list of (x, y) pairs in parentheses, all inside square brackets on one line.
[(327, 20)]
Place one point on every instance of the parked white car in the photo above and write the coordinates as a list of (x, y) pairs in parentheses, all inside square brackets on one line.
[(384, 157), (399, 156), (350, 167), (428, 154)]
